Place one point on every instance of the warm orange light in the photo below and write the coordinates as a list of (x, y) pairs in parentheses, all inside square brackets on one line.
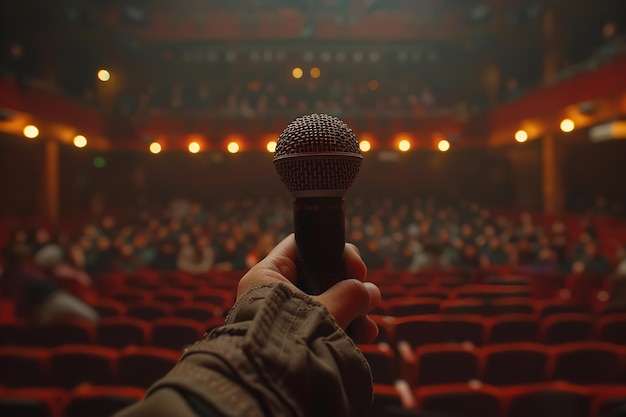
[(373, 85), (194, 147), (365, 146), (443, 145), (31, 132), (567, 125), (404, 145), (104, 75), (521, 136), (271, 146), (80, 141), (315, 72), (155, 147), (233, 147), (297, 72)]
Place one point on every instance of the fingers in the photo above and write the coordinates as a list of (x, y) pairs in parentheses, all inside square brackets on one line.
[(350, 299), (363, 330), (355, 267)]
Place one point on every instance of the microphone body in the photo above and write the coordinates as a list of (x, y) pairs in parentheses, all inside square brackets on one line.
[(318, 158), (319, 227)]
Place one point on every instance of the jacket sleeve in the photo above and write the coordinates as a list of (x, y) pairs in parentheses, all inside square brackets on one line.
[(280, 353)]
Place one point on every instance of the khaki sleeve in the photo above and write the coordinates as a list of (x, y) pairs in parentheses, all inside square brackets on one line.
[(280, 354)]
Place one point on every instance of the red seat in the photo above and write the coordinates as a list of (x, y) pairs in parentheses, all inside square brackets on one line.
[(94, 401), (612, 328), (607, 398), (15, 333), (441, 364), (463, 306), (556, 307), (421, 330), (32, 402), (109, 308), (549, 399), (411, 306), (563, 328), (69, 331), (148, 311), (172, 296), (386, 329), (391, 397), (197, 311), (485, 291), (130, 295), (587, 363), (382, 362), (508, 305), (175, 333), (509, 328), (142, 366), (514, 363), (428, 292), (72, 365), (467, 400), (119, 332), (24, 367), (216, 296)]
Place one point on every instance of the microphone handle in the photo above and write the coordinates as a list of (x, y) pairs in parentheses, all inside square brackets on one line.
[(320, 231)]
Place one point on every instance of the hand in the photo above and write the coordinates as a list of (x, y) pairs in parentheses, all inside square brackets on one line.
[(348, 301)]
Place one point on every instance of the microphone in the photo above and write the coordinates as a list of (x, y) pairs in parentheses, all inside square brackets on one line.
[(318, 158)]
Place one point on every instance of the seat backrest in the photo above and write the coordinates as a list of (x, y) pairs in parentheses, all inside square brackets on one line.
[(176, 333), (24, 367), (554, 399), (149, 311), (382, 361), (119, 332), (68, 331), (71, 365), (514, 363), (109, 308), (587, 363), (410, 306), (468, 400), (197, 311), (141, 366), (97, 401), (612, 328), (567, 327), (445, 364), (33, 402), (509, 328)]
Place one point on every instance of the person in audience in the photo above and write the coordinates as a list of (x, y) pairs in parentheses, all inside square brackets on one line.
[(594, 262), (231, 257), (280, 350), (39, 299), (167, 258), (196, 258)]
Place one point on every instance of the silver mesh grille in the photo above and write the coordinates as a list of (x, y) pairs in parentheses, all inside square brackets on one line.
[(317, 155)]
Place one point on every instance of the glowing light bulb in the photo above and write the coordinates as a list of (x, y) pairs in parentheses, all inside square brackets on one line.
[(31, 132), (567, 125), (233, 147), (271, 146), (521, 136), (104, 75), (365, 146), (297, 72), (80, 141), (194, 147), (404, 145), (155, 147), (443, 145)]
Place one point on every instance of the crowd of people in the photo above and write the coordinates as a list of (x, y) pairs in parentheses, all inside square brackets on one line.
[(235, 235)]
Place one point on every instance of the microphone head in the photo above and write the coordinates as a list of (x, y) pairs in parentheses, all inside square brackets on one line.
[(317, 156)]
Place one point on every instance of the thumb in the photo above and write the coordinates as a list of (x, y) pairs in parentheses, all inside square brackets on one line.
[(349, 299)]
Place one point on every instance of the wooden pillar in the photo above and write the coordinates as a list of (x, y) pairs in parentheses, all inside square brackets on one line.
[(552, 147), (51, 182)]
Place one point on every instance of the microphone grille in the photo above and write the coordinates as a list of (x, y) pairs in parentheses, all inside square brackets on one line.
[(317, 155)]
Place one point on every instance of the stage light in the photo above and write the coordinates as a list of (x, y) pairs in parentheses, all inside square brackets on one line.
[(373, 85), (155, 147), (271, 146), (521, 136), (443, 145), (31, 132), (104, 75), (315, 72), (297, 72), (404, 145), (365, 146), (80, 141), (233, 147), (194, 147), (567, 125)]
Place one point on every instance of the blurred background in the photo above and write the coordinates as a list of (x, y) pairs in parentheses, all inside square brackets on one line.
[(136, 177)]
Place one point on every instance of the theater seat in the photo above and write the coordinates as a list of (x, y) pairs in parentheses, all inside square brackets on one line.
[(587, 363), (612, 328), (514, 363), (96, 401), (119, 332), (508, 305), (69, 331), (148, 311), (15, 333), (109, 308), (219, 297), (130, 295), (141, 366), (172, 296), (440, 364), (427, 329), (24, 367), (608, 399), (32, 402), (72, 365), (383, 363), (410, 306), (197, 311), (463, 306), (550, 399), (466, 400), (509, 328), (564, 328), (176, 333)]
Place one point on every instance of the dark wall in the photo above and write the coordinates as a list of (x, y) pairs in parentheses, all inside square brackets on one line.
[(502, 176)]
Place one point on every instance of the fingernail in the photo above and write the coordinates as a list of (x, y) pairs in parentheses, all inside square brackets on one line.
[(374, 293)]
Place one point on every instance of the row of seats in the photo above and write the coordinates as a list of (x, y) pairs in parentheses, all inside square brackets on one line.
[(547, 399), (71, 365), (504, 364), (554, 399), (85, 400), (151, 310), (117, 332), (420, 330)]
